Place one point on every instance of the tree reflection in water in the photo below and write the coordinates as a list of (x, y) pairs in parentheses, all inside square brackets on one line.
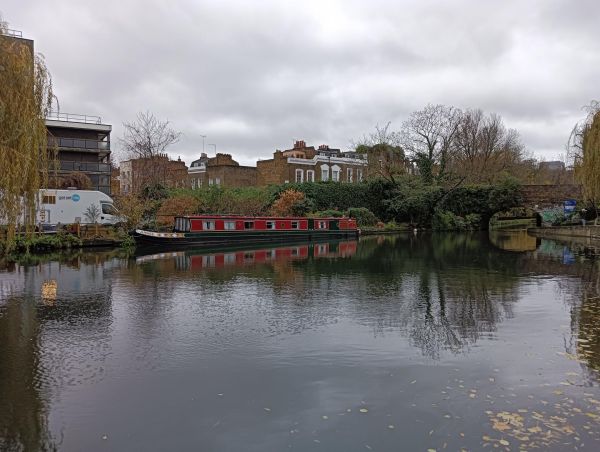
[(441, 292)]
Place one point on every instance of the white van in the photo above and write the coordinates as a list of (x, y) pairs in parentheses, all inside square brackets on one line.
[(75, 206)]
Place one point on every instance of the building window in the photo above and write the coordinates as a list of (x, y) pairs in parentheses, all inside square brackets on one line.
[(217, 181), (270, 225), (229, 225), (208, 225), (359, 175), (295, 225), (49, 199), (299, 175), (324, 173), (210, 181), (335, 173), (349, 174), (248, 224), (310, 176)]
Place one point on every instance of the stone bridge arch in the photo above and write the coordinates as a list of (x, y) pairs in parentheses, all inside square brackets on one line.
[(539, 203)]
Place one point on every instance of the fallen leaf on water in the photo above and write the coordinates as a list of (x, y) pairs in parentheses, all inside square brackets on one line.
[(325, 417), (391, 427), (500, 426), (472, 395), (431, 450), (267, 409), (363, 410), (534, 429), (413, 382), (504, 442)]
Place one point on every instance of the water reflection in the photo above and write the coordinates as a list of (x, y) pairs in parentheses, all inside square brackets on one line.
[(408, 325)]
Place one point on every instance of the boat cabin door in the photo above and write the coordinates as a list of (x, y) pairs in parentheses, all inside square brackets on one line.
[(334, 225)]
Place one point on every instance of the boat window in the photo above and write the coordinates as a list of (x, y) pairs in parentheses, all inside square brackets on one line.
[(229, 225), (270, 225), (321, 225), (229, 258), (295, 225), (248, 224), (208, 225), (270, 254), (108, 209), (182, 224), (208, 261)]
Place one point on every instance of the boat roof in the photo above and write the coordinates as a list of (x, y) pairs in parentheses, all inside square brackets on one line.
[(248, 217)]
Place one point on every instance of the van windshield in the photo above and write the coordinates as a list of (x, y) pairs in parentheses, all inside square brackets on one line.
[(109, 209)]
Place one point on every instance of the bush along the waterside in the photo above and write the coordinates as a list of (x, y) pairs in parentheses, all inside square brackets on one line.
[(364, 217), (45, 242), (327, 213), (127, 241), (444, 220)]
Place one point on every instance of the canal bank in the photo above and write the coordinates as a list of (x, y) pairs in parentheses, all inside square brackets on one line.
[(92, 236), (586, 236)]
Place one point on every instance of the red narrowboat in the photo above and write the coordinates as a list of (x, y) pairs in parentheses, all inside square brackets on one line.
[(211, 230)]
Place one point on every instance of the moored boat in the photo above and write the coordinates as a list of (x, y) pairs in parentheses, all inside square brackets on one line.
[(210, 230)]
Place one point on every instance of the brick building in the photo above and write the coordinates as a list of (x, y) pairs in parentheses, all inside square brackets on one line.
[(220, 170), (306, 164), (137, 174)]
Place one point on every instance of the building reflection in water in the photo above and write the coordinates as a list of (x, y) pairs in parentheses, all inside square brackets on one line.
[(43, 307), (440, 292)]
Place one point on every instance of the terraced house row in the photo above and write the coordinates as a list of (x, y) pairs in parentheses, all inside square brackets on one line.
[(301, 163)]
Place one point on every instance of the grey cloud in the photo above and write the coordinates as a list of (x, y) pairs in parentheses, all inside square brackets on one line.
[(253, 76)]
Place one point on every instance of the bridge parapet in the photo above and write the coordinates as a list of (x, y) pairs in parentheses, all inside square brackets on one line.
[(547, 196)]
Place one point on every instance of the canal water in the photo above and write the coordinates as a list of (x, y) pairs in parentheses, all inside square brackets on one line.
[(426, 342)]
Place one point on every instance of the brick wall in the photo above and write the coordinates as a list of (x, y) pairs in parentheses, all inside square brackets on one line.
[(549, 195)]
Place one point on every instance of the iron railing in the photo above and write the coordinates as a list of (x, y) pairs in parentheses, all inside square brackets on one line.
[(71, 117), (13, 33), (84, 166), (78, 143)]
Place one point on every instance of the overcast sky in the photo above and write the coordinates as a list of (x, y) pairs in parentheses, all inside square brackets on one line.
[(255, 75)]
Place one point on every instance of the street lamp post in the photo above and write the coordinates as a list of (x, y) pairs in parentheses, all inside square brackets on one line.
[(212, 144)]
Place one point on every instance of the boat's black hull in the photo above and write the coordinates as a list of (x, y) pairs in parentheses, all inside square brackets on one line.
[(219, 238)]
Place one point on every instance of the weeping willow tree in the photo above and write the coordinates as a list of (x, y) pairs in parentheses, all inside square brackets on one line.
[(25, 100), (585, 144)]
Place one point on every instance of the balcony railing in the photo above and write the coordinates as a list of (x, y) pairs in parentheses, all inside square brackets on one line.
[(89, 167), (77, 143), (13, 33), (71, 117)]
